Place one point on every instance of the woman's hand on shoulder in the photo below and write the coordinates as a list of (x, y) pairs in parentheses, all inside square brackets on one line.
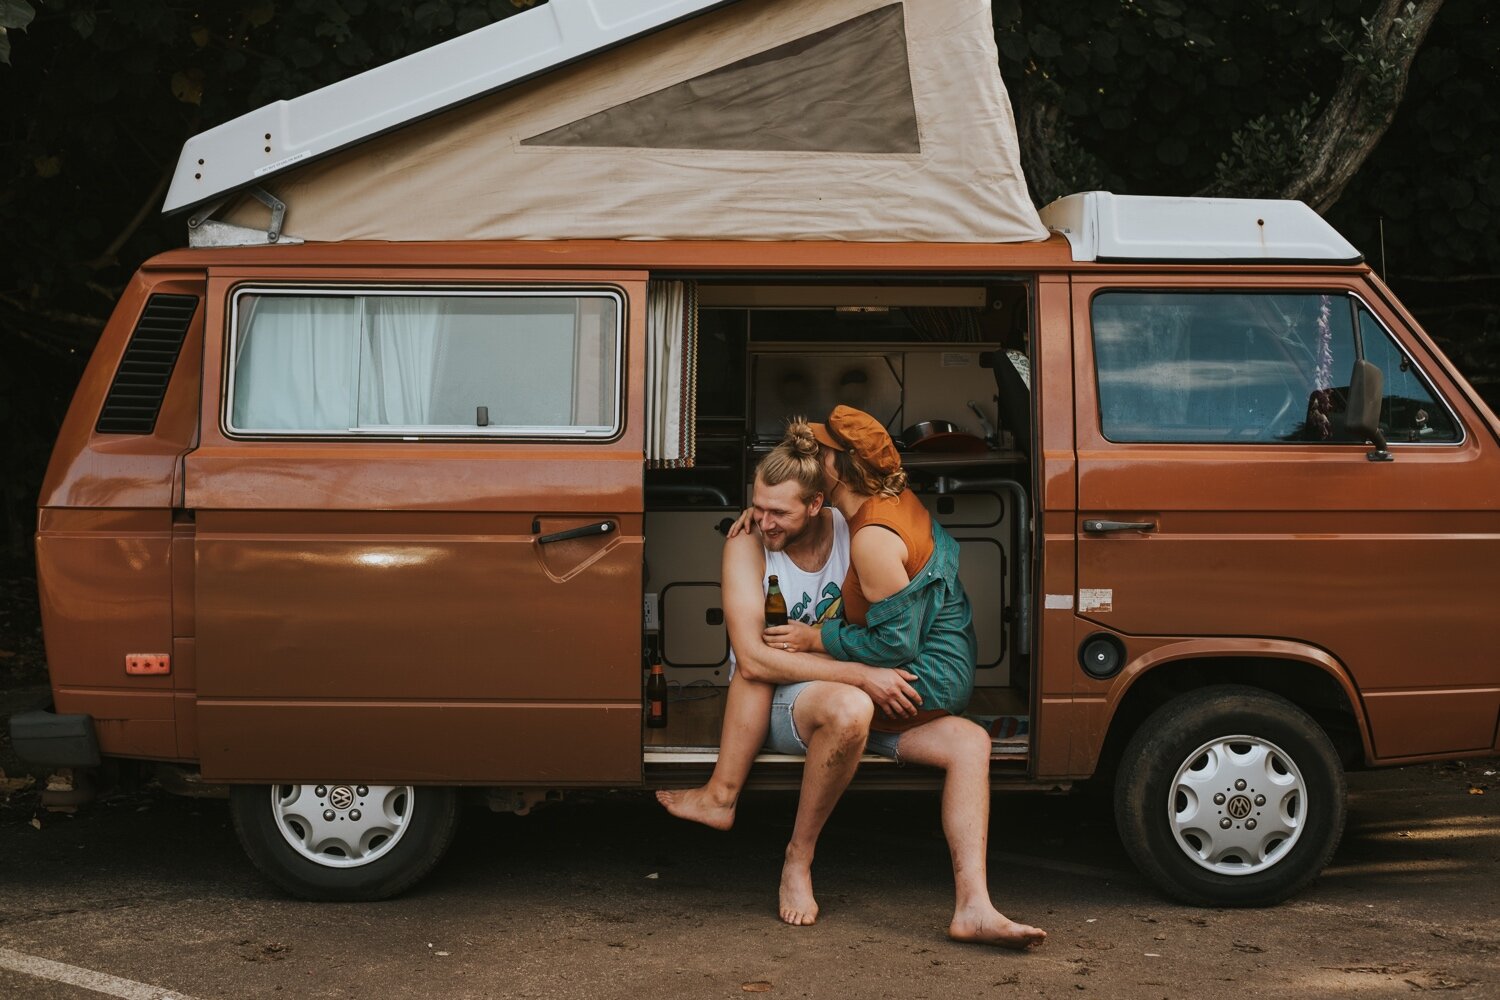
[(742, 524)]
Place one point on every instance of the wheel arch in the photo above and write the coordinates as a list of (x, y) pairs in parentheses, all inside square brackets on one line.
[(1305, 675)]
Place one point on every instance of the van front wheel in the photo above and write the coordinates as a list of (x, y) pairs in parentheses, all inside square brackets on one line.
[(344, 841), (1230, 796)]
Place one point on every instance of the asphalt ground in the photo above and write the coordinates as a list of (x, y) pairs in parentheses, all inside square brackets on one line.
[(150, 896)]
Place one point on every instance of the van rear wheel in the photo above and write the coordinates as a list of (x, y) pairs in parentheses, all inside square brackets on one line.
[(344, 841), (1230, 796)]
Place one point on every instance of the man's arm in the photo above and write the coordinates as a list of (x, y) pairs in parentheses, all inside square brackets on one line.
[(743, 577)]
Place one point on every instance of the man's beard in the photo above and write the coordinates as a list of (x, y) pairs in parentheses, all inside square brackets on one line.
[(781, 541)]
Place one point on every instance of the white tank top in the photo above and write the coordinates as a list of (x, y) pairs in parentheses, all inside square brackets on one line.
[(811, 597)]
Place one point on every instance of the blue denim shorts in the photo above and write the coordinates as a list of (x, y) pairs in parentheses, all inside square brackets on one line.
[(784, 738)]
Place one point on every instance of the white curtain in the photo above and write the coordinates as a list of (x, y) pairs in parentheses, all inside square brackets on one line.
[(401, 349), (295, 363), (671, 374)]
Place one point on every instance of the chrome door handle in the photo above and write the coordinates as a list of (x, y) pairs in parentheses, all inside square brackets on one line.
[(1102, 527)]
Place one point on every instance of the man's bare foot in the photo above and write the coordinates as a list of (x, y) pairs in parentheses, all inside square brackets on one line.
[(798, 907), (698, 805), (989, 926)]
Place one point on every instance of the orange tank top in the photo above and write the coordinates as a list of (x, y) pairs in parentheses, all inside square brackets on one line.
[(902, 514)]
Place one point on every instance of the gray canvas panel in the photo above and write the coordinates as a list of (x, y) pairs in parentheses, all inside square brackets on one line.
[(845, 89)]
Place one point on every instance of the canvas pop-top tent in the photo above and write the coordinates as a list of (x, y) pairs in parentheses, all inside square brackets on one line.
[(857, 120)]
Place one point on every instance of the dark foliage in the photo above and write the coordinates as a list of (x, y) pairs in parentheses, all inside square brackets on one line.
[(1145, 96)]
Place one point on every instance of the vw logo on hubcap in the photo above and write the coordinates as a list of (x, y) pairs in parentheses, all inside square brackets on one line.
[(1239, 807), (342, 797)]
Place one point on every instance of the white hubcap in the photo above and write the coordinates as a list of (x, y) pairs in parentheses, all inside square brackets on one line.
[(1237, 805), (342, 826)]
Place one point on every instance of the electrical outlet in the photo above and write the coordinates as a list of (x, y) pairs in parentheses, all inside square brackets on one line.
[(146, 664)]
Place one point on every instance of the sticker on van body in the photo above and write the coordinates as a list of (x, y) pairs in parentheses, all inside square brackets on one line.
[(1059, 602), (1099, 600)]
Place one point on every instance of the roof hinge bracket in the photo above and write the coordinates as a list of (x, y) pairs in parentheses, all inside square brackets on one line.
[(203, 231)]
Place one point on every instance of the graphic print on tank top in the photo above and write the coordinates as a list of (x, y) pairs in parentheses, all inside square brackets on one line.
[(813, 597), (809, 613)]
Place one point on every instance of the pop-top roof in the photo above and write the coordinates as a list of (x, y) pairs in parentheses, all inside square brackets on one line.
[(852, 120), (272, 139), (1110, 227)]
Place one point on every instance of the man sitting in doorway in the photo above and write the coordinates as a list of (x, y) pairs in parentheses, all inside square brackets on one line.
[(807, 712), (822, 707)]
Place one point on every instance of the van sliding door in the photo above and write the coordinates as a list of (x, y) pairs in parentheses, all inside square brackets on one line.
[(419, 529)]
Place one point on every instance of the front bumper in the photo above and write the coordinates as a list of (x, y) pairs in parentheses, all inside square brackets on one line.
[(45, 739)]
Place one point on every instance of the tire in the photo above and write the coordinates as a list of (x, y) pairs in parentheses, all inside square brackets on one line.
[(344, 842), (1262, 766)]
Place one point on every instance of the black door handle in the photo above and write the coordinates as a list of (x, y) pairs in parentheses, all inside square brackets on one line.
[(587, 531), (1101, 527)]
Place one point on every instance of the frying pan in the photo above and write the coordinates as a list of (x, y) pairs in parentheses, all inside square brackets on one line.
[(940, 435), (917, 433)]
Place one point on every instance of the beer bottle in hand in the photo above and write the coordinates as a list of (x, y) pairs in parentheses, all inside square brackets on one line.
[(775, 604), (656, 698)]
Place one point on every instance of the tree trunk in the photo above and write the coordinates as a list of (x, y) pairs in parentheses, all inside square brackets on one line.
[(1356, 118)]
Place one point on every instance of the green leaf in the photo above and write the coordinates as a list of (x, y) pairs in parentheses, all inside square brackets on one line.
[(1172, 151), (187, 86), (4, 47), (16, 13), (1165, 8), (1013, 46), (470, 19), (84, 23), (260, 14), (1046, 43)]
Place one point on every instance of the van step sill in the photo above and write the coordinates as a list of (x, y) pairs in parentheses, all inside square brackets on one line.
[(709, 755)]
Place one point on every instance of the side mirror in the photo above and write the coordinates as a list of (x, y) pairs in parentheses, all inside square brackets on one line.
[(1363, 413)]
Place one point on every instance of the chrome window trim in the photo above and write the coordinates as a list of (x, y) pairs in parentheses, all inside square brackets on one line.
[(1423, 377), (437, 432)]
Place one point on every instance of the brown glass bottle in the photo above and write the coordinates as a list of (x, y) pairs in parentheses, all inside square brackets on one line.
[(656, 698), (775, 604)]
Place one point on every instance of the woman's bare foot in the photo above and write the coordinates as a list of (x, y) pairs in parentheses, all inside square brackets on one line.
[(798, 907), (988, 925), (699, 805)]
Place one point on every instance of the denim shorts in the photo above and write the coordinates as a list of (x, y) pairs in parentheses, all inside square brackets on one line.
[(784, 738)]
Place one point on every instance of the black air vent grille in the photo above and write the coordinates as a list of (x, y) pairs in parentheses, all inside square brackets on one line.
[(136, 393)]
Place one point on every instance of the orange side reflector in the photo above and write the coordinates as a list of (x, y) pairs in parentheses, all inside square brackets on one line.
[(148, 663)]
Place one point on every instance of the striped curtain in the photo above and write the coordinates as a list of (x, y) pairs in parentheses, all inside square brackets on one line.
[(671, 374)]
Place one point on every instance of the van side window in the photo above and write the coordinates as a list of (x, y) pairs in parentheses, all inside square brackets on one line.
[(532, 364), (1223, 367), (1410, 410)]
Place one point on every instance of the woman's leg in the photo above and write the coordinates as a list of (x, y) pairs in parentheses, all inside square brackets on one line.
[(962, 750), (747, 716)]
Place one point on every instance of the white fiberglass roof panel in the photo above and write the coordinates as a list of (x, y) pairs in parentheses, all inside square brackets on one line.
[(1111, 227)]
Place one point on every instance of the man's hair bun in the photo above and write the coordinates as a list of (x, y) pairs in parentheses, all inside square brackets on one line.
[(799, 437)]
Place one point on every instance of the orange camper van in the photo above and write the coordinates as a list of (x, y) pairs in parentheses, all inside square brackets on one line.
[(386, 497)]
